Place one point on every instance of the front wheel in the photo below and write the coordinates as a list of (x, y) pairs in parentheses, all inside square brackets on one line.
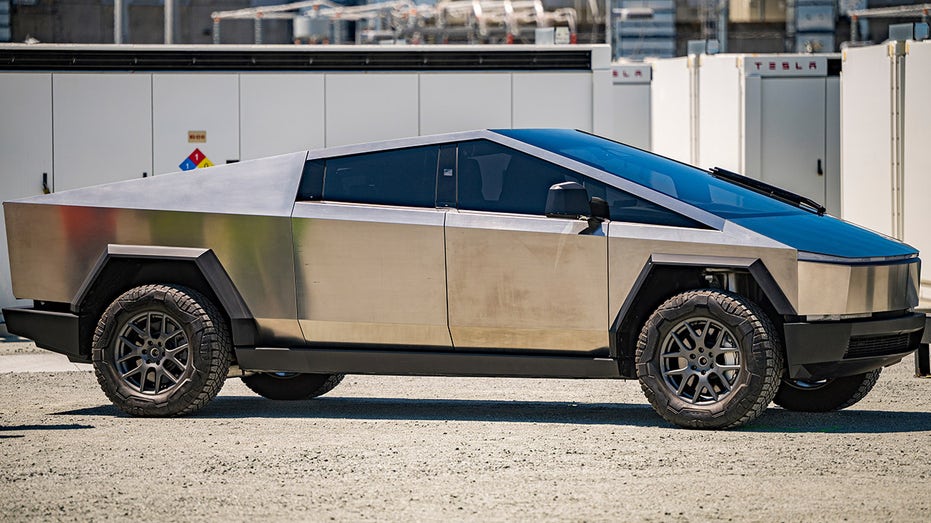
[(161, 350), (825, 395), (709, 359), (291, 386)]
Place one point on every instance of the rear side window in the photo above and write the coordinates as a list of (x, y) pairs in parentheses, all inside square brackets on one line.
[(400, 177)]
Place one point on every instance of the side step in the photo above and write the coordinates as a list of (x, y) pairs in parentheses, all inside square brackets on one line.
[(422, 363)]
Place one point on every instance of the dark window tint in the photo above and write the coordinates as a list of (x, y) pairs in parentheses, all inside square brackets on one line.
[(626, 207), (495, 178), (400, 177), (311, 181), (683, 182)]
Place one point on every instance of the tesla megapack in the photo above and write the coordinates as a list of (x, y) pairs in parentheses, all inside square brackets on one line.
[(535, 253)]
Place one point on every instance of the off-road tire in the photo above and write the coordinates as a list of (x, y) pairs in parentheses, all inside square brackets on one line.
[(199, 370), (757, 347), (291, 386), (827, 395)]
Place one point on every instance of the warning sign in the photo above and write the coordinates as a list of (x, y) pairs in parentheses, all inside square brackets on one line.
[(196, 160), (197, 136)]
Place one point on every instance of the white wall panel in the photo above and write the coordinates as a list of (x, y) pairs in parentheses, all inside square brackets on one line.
[(719, 112), (866, 153), (464, 101), (602, 106), (793, 134), (25, 150), (632, 114), (553, 100), (670, 109), (281, 113), (102, 128), (25, 133), (364, 107), (194, 102), (832, 144), (917, 154)]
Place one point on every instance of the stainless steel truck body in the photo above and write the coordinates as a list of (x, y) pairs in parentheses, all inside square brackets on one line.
[(539, 253)]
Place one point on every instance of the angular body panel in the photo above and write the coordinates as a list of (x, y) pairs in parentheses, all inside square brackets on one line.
[(241, 212), (370, 275), (526, 283)]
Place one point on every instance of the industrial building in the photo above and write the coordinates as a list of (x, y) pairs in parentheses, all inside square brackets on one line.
[(634, 28)]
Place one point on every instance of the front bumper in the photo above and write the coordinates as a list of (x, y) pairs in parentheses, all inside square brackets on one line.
[(55, 331), (833, 349)]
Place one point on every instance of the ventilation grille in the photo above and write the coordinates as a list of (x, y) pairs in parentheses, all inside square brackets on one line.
[(868, 346), (291, 60)]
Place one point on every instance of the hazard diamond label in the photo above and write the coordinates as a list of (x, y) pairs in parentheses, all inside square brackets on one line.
[(195, 160)]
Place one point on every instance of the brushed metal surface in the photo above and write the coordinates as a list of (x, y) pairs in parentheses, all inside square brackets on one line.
[(631, 245), (370, 274), (524, 282), (53, 247), (257, 187), (857, 288)]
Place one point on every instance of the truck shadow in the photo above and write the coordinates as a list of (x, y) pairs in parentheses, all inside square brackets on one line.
[(775, 420), (443, 409), (4, 429)]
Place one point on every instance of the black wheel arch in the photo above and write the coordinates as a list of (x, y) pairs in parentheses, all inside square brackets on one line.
[(121, 267), (665, 275)]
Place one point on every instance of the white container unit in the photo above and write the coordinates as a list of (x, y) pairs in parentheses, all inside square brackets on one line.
[(770, 117), (25, 150), (916, 155), (630, 95), (671, 111), (70, 126), (886, 129)]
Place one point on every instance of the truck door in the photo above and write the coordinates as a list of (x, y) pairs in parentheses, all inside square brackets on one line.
[(369, 251), (519, 281)]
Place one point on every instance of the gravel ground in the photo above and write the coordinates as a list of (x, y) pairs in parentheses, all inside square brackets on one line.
[(431, 449)]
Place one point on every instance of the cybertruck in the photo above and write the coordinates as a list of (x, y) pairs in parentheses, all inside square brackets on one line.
[(520, 253)]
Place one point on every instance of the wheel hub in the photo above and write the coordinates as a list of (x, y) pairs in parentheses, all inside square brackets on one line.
[(151, 353), (700, 360)]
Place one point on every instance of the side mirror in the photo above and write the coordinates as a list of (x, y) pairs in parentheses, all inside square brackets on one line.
[(567, 200), (600, 208)]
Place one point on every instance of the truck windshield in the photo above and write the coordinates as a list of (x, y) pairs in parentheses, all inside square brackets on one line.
[(798, 228), (681, 181)]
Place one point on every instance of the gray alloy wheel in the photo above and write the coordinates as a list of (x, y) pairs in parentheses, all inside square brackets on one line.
[(152, 353), (161, 350), (700, 360), (709, 359), (291, 386), (825, 395)]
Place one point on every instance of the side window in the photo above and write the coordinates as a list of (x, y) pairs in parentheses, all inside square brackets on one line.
[(399, 177), (626, 207), (311, 181), (496, 178)]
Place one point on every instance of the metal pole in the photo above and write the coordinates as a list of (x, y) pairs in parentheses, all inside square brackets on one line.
[(608, 36), (723, 12), (258, 28), (854, 28), (169, 21), (216, 30), (117, 21)]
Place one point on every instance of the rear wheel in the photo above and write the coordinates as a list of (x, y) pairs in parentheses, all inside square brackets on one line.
[(709, 359), (825, 395), (161, 350), (291, 386)]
